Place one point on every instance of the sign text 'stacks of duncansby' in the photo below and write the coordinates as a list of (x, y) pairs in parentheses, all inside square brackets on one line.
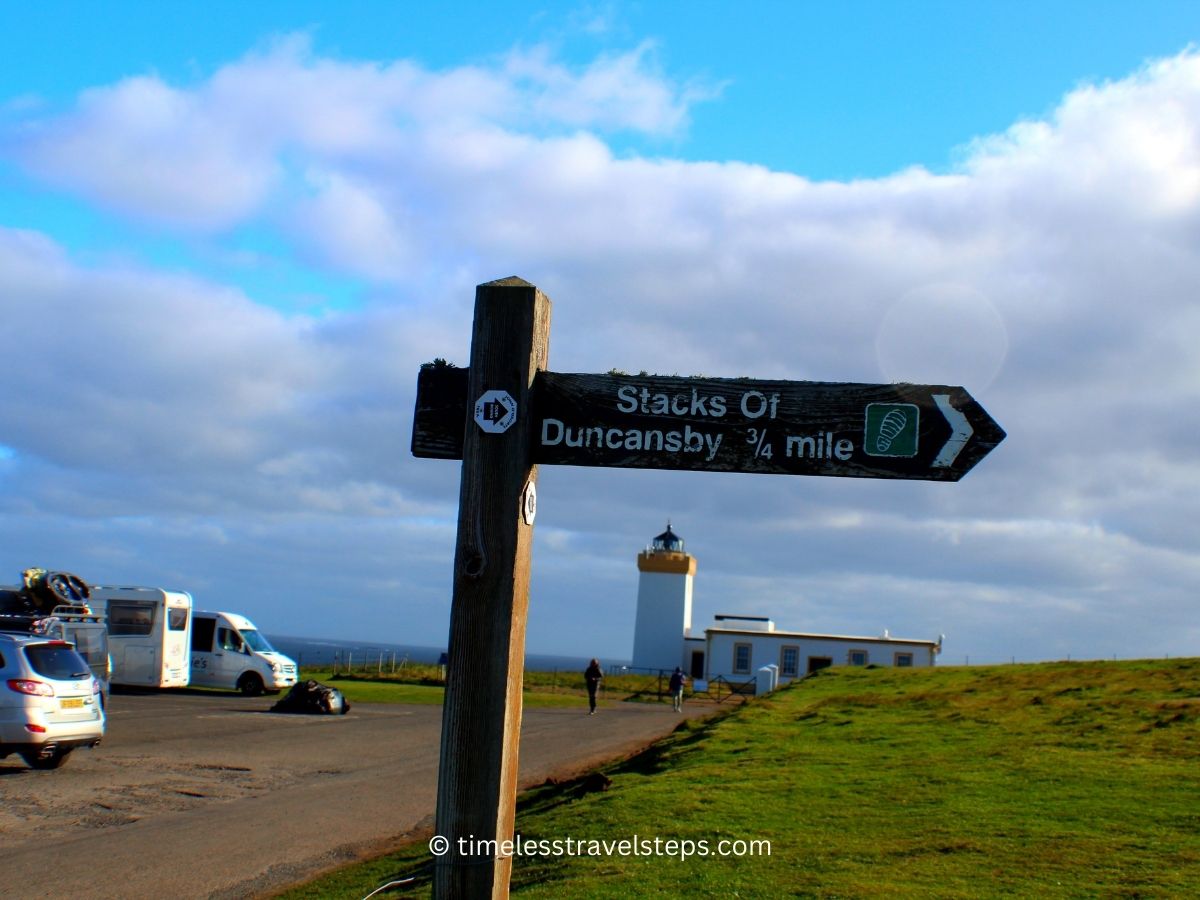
[(931, 432)]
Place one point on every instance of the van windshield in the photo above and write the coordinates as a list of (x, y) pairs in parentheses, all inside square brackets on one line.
[(256, 641)]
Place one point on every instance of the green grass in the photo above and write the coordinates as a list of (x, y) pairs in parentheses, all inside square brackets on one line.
[(618, 685), (418, 686), (1048, 780)]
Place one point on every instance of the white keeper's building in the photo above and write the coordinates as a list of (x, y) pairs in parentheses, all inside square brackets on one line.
[(736, 647)]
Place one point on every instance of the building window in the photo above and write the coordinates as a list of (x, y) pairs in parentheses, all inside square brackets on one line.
[(789, 662), (741, 659), (904, 659), (857, 658)]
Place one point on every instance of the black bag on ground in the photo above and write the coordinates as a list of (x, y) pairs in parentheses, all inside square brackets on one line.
[(313, 698)]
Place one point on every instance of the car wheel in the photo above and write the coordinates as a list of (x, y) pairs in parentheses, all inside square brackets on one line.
[(51, 761), (250, 685)]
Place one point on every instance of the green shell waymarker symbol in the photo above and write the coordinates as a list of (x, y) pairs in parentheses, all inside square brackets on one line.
[(891, 429)]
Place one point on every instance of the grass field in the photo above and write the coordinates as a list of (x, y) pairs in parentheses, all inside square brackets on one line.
[(1045, 780), (423, 684), (370, 689)]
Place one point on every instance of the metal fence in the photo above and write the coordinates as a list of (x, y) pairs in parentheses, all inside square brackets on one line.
[(347, 662)]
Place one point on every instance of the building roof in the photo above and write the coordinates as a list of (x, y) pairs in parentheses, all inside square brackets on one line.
[(800, 635)]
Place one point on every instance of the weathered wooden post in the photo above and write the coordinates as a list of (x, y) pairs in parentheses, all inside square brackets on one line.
[(481, 718)]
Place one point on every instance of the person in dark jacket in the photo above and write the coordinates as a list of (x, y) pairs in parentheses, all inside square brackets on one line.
[(593, 675), (678, 680)]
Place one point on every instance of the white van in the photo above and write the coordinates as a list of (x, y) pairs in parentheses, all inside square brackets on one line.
[(229, 652)]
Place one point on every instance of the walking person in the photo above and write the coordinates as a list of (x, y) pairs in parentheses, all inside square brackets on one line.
[(678, 680), (593, 675)]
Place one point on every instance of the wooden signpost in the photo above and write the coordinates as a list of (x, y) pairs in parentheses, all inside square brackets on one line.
[(506, 414), (481, 715)]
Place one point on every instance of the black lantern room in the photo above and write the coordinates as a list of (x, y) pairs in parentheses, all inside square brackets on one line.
[(668, 542)]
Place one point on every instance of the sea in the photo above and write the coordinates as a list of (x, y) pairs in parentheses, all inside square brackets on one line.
[(324, 651)]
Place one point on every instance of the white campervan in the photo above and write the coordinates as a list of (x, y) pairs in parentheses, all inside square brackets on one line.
[(148, 634), (229, 652)]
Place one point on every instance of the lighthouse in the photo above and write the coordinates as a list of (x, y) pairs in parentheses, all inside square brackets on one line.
[(664, 603)]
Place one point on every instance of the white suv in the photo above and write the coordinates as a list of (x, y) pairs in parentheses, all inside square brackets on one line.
[(49, 700)]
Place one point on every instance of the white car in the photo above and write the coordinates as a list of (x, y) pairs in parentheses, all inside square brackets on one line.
[(49, 700)]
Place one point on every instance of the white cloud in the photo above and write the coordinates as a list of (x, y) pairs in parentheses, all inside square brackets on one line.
[(1131, 143), (1054, 274), (155, 151), (613, 92), (349, 228), (210, 157)]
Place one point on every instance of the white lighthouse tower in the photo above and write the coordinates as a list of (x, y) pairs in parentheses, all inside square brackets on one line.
[(664, 604)]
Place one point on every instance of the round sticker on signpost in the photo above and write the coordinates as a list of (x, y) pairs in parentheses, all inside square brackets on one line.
[(495, 411), (529, 503)]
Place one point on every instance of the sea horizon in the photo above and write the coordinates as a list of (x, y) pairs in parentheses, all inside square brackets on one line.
[(311, 651)]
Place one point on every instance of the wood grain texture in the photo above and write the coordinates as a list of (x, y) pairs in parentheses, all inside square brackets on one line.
[(482, 712), (440, 411)]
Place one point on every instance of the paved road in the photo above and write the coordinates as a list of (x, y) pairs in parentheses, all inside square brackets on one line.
[(208, 795)]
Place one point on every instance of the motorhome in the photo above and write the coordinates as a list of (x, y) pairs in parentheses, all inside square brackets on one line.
[(229, 652), (149, 632)]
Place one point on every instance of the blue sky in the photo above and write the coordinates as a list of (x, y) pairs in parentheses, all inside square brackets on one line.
[(230, 234), (827, 90)]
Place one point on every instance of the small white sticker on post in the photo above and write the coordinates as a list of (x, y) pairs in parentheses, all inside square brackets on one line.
[(529, 502), (495, 411)]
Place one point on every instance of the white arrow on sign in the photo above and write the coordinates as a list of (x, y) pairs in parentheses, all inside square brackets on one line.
[(961, 432), (495, 411)]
